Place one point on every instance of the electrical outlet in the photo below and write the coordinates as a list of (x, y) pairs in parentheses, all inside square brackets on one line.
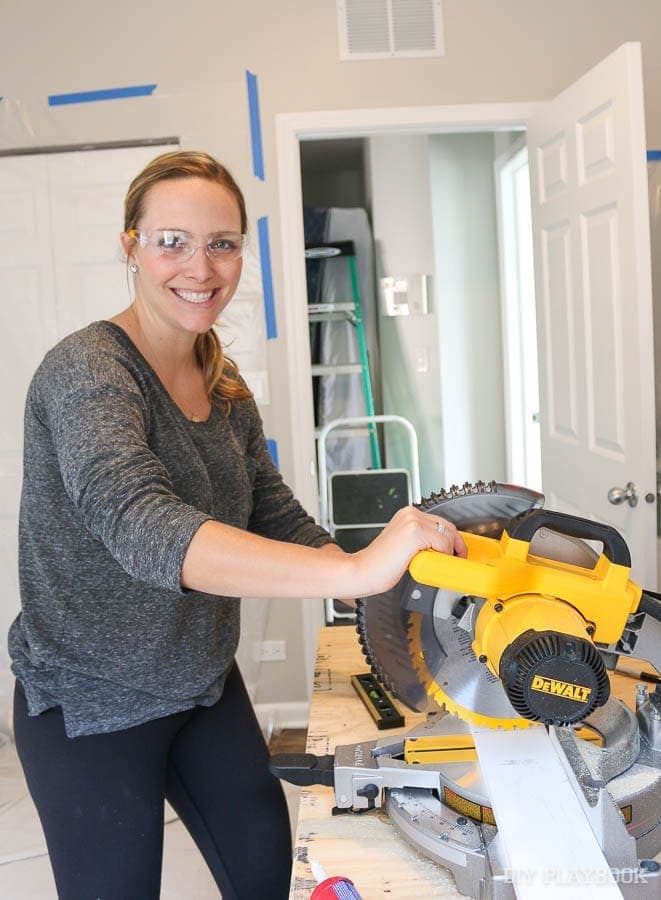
[(272, 651)]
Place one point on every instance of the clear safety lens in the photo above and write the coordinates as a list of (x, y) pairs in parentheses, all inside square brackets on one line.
[(181, 245)]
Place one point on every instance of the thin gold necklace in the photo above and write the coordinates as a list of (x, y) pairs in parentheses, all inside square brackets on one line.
[(155, 364)]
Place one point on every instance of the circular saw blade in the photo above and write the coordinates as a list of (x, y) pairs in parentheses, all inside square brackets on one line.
[(390, 625), (464, 686), (461, 683), (417, 638)]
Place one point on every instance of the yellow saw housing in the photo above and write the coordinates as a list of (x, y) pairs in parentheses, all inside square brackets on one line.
[(539, 618), (500, 624)]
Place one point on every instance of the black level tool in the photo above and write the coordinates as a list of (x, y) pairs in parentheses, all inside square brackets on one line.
[(378, 703)]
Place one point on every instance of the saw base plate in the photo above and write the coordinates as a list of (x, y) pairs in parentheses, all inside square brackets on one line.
[(454, 824)]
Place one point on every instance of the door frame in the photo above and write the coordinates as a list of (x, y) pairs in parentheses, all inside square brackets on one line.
[(290, 130), (518, 418)]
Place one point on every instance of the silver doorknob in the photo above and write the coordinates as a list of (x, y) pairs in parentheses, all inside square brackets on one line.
[(628, 494)]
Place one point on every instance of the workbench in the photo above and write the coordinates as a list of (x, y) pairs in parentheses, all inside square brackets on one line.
[(366, 848)]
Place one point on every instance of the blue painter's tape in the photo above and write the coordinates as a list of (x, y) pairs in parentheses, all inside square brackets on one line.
[(273, 450), (267, 277), (137, 90), (653, 155), (255, 126)]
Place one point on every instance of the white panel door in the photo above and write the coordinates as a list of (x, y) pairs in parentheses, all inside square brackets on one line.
[(594, 301), (28, 326), (87, 192), (60, 269)]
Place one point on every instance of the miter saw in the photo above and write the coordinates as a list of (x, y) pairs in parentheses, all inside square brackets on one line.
[(520, 634)]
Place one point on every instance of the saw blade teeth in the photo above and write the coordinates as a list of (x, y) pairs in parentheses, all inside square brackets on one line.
[(468, 715), (371, 658), (454, 491), (404, 660)]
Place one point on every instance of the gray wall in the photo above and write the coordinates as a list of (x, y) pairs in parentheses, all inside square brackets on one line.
[(512, 50)]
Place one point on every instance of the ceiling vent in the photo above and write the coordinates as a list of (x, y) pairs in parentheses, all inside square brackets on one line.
[(382, 29)]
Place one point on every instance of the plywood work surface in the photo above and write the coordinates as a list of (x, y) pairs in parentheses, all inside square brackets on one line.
[(365, 848)]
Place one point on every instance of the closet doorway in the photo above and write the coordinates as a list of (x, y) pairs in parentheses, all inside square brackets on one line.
[(442, 214)]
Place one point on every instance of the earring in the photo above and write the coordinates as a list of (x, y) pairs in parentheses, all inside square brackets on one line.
[(133, 268)]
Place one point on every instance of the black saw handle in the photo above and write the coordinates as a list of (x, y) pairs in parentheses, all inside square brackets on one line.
[(615, 547), (303, 769)]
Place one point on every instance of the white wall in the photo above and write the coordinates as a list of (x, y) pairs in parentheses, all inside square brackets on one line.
[(433, 211), (401, 212), (513, 50), (468, 291)]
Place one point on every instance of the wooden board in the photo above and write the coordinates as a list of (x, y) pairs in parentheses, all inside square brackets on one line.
[(366, 848)]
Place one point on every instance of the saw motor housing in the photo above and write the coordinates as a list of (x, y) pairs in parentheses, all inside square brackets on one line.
[(534, 621), (540, 649)]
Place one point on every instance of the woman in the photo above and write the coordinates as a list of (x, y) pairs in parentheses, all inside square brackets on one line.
[(149, 505)]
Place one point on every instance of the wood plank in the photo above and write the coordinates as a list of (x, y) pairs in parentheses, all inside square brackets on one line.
[(546, 858)]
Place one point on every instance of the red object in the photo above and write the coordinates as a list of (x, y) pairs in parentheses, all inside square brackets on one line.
[(335, 888)]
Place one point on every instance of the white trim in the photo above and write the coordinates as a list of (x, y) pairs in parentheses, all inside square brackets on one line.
[(290, 128), (275, 716), (336, 123), (509, 287), (518, 318)]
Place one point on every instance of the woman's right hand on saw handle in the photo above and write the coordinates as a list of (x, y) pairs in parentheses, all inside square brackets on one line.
[(227, 561)]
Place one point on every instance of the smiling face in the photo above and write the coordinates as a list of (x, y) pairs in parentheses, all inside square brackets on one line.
[(185, 295)]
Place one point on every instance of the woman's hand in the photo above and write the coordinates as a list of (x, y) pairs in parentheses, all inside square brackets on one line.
[(386, 559)]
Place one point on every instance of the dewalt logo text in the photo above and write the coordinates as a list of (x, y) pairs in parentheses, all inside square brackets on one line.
[(561, 689)]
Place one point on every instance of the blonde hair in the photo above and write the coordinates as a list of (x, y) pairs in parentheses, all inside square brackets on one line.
[(221, 374)]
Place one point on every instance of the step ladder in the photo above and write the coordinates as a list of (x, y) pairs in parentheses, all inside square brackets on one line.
[(355, 505), (349, 311)]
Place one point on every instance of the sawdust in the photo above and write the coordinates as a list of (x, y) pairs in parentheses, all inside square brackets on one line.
[(402, 871), (636, 779)]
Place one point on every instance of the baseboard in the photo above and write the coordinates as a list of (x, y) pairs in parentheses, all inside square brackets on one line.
[(276, 716)]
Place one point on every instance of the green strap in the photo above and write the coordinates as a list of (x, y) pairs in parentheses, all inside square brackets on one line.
[(364, 362)]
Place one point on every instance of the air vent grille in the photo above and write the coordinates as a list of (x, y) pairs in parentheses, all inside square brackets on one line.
[(382, 29)]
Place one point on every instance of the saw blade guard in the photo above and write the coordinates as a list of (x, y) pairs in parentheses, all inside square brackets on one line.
[(396, 629)]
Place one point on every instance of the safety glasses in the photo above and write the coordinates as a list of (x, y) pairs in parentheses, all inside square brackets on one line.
[(224, 246)]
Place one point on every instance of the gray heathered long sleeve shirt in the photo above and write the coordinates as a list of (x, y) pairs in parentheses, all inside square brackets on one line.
[(116, 483)]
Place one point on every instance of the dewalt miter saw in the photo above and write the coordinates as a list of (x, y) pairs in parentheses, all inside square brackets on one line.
[(519, 634)]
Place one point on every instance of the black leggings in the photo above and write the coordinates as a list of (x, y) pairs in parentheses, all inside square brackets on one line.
[(100, 800)]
